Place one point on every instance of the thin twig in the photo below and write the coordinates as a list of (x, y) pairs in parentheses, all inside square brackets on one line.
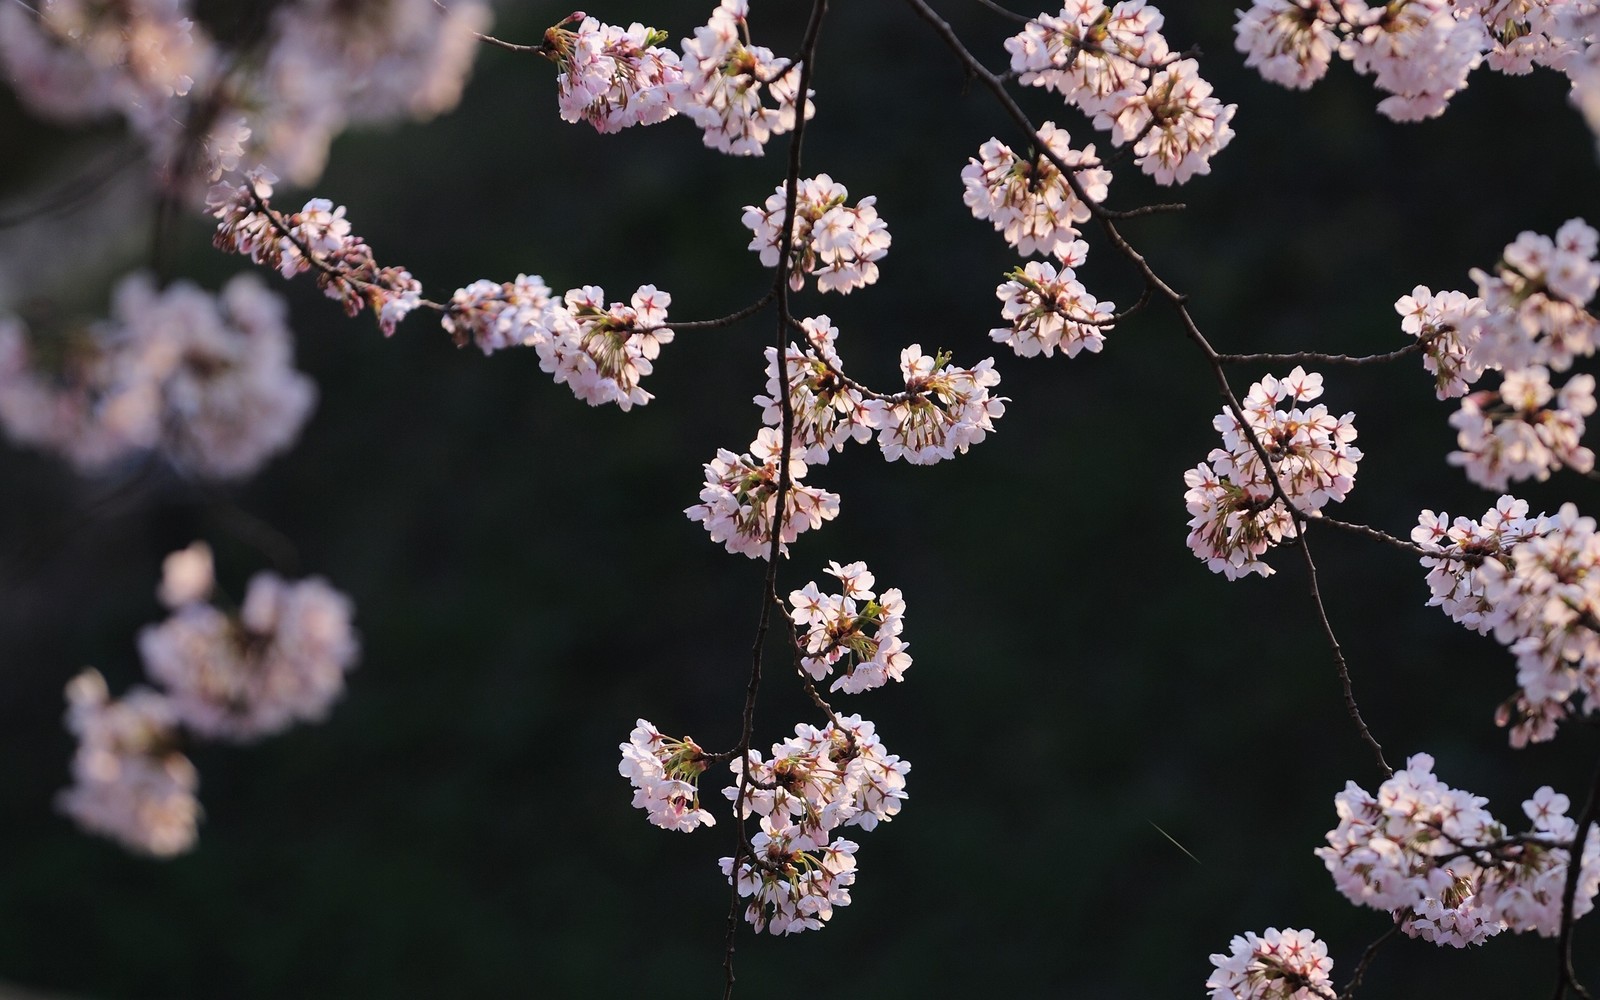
[(977, 70), (1366, 962), (1313, 357), (1587, 820), (769, 595)]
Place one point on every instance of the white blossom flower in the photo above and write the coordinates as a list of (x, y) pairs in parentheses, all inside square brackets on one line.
[(739, 501), (130, 783), (1029, 201), (838, 243)]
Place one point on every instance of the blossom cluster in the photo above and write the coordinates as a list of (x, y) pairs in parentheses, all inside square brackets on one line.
[(857, 631), (665, 774), (1523, 437), (207, 381), (740, 500), (600, 350), (816, 782), (1277, 965), (1420, 52), (827, 410), (1235, 510), (319, 66), (1450, 871), (839, 243), (1029, 201), (316, 238), (1047, 307), (1534, 583), (1529, 318), (130, 781), (280, 659), (943, 409), (1113, 64), (613, 77), (724, 80)]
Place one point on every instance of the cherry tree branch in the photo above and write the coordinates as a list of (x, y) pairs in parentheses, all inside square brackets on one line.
[(769, 596), (1588, 819), (1179, 302)]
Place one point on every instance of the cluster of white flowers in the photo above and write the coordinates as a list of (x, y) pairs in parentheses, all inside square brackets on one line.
[(73, 60), (1048, 308), (1235, 514), (740, 498), (611, 77), (827, 410), (1534, 301), (321, 65), (206, 380), (1524, 438), (943, 410), (332, 63), (1278, 965), (1534, 582), (130, 782), (601, 350), (836, 631), (280, 660), (496, 315), (839, 243), (1097, 57), (345, 269), (1419, 51), (723, 80), (1447, 869), (817, 781), (1029, 201), (1113, 64), (1447, 325), (665, 774)]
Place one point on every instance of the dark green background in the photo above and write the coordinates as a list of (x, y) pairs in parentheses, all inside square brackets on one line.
[(526, 584)]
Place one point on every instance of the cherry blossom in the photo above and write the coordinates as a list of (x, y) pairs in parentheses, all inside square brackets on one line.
[(828, 411), (838, 243), (1534, 302), (207, 381), (1448, 869), (1097, 57), (1291, 42), (665, 774), (1048, 308), (1278, 965), (344, 265), (1447, 325), (943, 411), (1235, 513), (1524, 437), (1176, 126), (599, 350), (496, 315), (723, 80), (857, 632), (280, 660), (612, 77), (797, 884), (1029, 200), (130, 782), (739, 501)]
